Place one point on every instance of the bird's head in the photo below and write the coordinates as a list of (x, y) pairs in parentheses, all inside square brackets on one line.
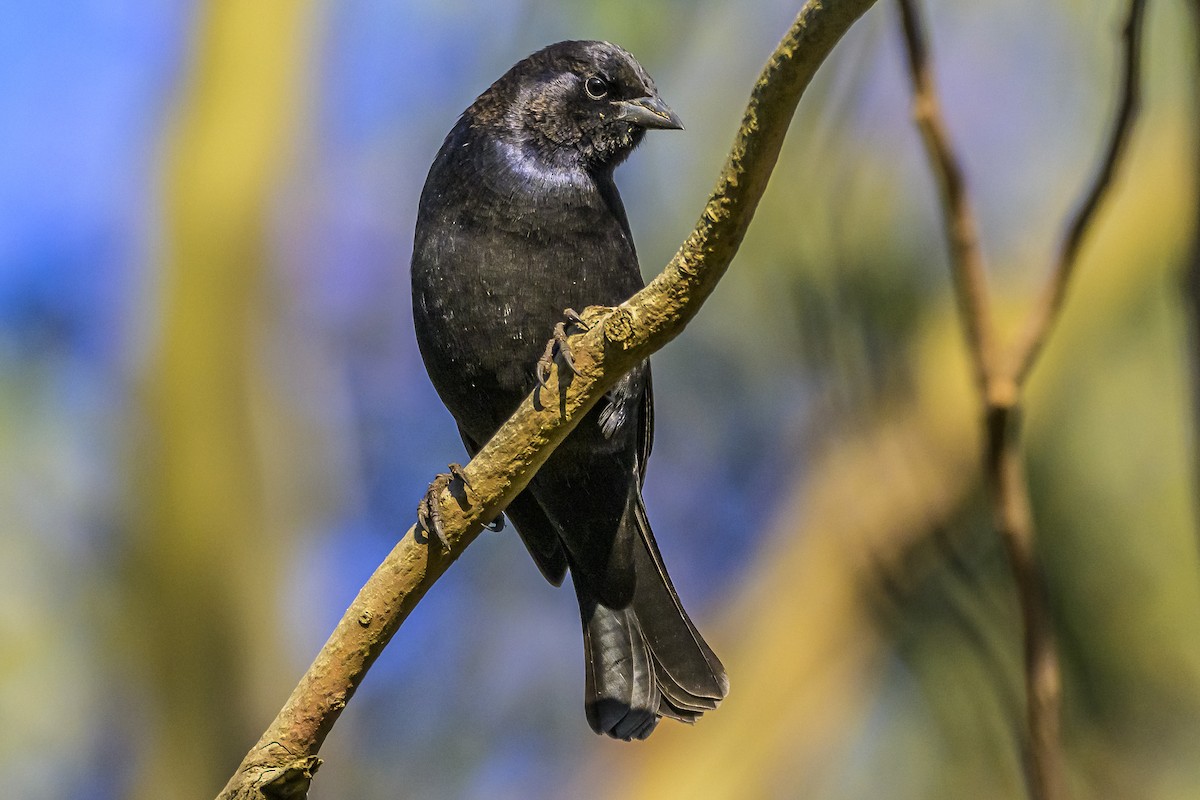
[(584, 104)]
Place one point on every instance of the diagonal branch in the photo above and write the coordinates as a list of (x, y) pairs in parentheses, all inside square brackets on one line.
[(1043, 316), (958, 216), (282, 762)]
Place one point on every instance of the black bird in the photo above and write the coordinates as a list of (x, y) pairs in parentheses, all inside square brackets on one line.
[(519, 220)]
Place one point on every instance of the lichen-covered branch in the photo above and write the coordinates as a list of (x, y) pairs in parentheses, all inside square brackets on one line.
[(281, 763)]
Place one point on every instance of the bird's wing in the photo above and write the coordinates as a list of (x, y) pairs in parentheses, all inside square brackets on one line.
[(537, 532), (612, 199), (646, 428)]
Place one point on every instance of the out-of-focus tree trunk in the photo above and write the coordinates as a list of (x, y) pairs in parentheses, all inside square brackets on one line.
[(205, 553), (1192, 274)]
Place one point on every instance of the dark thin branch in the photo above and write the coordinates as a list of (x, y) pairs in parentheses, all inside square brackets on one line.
[(962, 231), (1008, 489), (282, 762), (1044, 315), (1001, 383)]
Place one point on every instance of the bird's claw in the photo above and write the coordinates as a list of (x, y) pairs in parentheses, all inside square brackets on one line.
[(456, 471), (558, 347), (429, 510), (573, 317)]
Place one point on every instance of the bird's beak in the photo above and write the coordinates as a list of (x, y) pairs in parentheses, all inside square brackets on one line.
[(648, 112)]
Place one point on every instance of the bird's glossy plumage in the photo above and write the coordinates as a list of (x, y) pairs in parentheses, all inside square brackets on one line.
[(519, 220)]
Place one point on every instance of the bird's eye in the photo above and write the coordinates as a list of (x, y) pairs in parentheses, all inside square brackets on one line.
[(596, 87)]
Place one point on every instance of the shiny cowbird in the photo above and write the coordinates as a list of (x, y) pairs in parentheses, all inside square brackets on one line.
[(519, 221)]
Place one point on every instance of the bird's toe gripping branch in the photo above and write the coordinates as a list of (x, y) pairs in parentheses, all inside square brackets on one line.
[(558, 347), (429, 510), (575, 319)]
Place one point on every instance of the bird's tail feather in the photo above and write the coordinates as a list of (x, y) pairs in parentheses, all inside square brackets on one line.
[(646, 660)]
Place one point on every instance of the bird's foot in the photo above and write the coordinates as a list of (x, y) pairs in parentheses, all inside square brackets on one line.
[(429, 510), (575, 319), (456, 471), (558, 347)]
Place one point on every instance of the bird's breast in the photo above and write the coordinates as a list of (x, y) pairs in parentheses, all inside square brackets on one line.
[(503, 246)]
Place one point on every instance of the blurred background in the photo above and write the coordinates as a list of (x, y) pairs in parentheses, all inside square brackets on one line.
[(214, 422)]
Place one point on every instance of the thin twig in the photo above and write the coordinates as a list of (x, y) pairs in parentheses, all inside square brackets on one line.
[(961, 229), (1008, 488), (1044, 315), (1043, 671), (282, 762), (1006, 483), (1001, 382)]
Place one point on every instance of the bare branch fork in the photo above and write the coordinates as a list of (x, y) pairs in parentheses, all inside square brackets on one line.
[(1001, 375), (281, 763)]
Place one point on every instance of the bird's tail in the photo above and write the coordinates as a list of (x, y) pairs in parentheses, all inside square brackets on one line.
[(647, 660)]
